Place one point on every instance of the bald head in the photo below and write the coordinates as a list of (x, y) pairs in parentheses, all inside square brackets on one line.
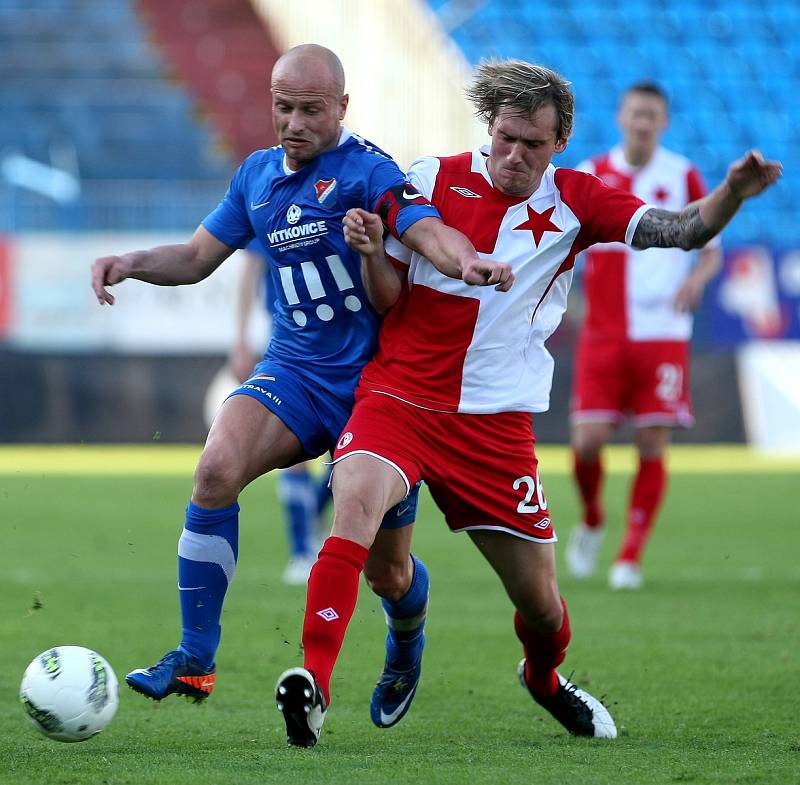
[(308, 102), (313, 63)]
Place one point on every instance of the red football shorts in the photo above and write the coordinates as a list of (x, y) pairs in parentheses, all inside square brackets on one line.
[(481, 469), (617, 378)]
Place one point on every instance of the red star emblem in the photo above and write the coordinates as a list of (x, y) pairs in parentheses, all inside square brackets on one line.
[(661, 194), (539, 223)]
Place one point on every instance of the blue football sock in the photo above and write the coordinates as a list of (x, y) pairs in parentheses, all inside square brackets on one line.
[(207, 553), (298, 496), (406, 620)]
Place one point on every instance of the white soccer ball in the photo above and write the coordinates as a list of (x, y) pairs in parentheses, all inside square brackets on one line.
[(69, 693)]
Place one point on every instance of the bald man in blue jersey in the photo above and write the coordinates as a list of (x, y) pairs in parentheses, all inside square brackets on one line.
[(328, 310)]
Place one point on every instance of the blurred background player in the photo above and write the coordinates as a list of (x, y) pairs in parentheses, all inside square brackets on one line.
[(302, 494), (633, 349)]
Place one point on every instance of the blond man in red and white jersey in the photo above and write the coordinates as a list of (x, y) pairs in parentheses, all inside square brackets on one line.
[(633, 351), (450, 395)]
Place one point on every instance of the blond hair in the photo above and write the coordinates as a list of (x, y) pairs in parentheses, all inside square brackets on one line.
[(524, 88)]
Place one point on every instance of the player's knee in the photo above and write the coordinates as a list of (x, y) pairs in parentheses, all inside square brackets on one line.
[(355, 520), (589, 439), (355, 510), (546, 618), (217, 480), (586, 453), (389, 580), (651, 443), (587, 447)]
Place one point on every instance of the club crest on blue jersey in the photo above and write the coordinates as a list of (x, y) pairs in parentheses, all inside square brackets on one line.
[(325, 190)]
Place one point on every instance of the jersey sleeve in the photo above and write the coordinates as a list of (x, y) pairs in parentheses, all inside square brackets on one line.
[(230, 221), (399, 203), (422, 176), (422, 173), (606, 214)]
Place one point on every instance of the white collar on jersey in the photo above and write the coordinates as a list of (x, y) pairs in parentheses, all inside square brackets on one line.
[(479, 161), (343, 137), (617, 158)]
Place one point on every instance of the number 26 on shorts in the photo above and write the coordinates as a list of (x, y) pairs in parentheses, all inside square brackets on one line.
[(532, 486)]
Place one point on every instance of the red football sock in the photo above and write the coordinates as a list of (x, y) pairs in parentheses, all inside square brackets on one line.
[(544, 652), (589, 478), (646, 495), (330, 602)]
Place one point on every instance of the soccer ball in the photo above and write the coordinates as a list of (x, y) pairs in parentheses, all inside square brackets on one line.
[(69, 693)]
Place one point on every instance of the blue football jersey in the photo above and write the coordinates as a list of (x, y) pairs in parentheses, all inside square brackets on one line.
[(323, 324), (255, 246)]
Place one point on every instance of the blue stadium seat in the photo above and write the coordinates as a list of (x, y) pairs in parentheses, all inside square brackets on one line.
[(731, 68), (84, 75)]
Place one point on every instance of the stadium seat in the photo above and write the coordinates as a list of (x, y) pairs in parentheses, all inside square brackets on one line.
[(721, 104), (102, 91)]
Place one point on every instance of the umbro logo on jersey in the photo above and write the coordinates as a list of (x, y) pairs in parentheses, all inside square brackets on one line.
[(329, 614), (461, 191)]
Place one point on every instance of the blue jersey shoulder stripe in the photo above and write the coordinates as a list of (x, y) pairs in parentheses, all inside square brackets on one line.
[(369, 147)]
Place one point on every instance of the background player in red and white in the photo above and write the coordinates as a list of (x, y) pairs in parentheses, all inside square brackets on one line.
[(633, 350), (450, 394)]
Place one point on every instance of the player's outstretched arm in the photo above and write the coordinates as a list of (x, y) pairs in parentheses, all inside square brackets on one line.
[(699, 221), (363, 232), (164, 265), (453, 255)]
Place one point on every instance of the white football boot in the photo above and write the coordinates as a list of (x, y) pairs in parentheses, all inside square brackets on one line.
[(625, 575), (298, 568), (583, 549)]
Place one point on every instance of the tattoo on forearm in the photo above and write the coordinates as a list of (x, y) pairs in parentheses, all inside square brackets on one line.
[(667, 229)]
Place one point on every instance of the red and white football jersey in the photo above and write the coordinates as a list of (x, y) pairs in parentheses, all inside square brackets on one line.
[(629, 292), (452, 347)]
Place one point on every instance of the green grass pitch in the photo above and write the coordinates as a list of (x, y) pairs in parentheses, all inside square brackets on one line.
[(700, 668)]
